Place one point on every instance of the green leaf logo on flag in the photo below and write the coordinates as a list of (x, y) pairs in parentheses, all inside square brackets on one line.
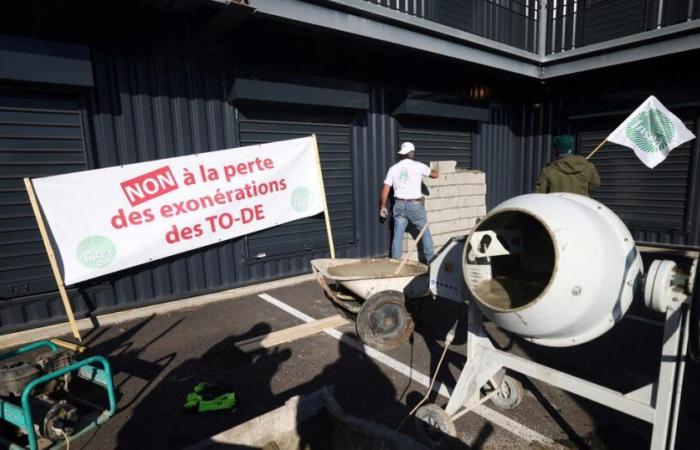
[(650, 130)]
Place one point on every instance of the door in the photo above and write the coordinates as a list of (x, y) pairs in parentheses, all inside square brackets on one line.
[(439, 141), (39, 136), (333, 133)]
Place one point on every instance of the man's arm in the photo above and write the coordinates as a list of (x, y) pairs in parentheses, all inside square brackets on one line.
[(384, 199), (542, 184), (595, 179), (433, 173)]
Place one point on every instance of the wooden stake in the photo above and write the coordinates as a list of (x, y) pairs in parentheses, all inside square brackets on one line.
[(323, 197), (596, 149), (69, 345), (52, 259), (290, 334), (404, 260)]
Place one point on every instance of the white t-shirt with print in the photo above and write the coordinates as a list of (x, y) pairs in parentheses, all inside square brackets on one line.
[(405, 177)]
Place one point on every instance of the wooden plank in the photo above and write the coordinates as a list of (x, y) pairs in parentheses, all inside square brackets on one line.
[(52, 258), (326, 214), (69, 345), (290, 334)]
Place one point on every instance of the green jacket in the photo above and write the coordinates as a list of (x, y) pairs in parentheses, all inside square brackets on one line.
[(572, 173)]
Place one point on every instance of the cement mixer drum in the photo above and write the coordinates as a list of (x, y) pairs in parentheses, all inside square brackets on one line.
[(556, 269)]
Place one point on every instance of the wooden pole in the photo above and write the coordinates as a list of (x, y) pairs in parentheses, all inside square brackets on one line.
[(596, 149), (52, 259), (323, 197), (404, 260)]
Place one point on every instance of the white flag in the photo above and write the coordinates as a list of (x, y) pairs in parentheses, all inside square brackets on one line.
[(652, 131)]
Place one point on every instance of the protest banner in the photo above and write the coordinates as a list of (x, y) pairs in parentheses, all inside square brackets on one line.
[(110, 219)]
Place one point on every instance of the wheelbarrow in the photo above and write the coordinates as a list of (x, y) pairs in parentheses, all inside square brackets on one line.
[(377, 299)]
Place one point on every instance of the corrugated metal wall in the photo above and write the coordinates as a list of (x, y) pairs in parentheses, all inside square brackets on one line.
[(149, 104)]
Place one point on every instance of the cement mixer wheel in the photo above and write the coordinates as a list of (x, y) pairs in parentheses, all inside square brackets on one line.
[(510, 394), (383, 321), (434, 427)]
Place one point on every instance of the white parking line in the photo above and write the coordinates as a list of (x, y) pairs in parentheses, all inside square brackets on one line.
[(487, 413)]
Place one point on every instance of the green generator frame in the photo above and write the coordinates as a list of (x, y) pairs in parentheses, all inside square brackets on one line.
[(21, 416)]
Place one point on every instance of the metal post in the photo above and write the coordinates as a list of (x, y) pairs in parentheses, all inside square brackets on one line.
[(542, 28), (665, 389), (660, 16)]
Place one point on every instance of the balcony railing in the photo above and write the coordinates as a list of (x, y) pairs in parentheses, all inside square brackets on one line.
[(511, 22), (577, 23), (570, 23)]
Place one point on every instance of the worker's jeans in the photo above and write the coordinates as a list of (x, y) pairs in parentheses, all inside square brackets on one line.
[(406, 213)]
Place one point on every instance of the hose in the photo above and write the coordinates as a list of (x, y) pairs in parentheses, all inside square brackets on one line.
[(448, 341)]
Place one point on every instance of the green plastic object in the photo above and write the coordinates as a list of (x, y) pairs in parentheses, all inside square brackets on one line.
[(195, 399)]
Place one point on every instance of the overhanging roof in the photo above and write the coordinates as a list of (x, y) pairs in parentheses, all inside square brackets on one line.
[(362, 18)]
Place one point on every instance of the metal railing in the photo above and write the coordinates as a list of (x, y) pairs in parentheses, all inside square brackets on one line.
[(570, 24), (510, 22), (577, 23)]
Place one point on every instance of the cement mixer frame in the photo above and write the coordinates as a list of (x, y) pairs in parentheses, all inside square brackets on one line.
[(484, 374)]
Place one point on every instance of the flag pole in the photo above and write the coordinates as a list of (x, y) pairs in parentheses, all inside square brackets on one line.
[(323, 195), (597, 148), (52, 259)]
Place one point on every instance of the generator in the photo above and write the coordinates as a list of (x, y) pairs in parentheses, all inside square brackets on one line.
[(36, 398)]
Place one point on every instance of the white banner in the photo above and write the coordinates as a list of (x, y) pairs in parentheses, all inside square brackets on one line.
[(652, 131), (110, 219)]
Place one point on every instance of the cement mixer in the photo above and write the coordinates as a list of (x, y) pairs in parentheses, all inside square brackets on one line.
[(560, 270)]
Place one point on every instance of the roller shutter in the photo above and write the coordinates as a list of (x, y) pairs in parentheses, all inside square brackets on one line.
[(334, 141), (38, 137), (439, 141), (652, 203)]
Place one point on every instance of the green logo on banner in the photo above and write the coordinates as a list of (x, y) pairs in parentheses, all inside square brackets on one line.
[(96, 252), (651, 130), (301, 199)]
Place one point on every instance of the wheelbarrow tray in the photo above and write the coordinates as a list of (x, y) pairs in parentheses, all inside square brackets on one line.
[(367, 276)]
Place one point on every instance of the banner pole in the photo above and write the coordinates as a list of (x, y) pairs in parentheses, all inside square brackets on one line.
[(52, 258), (597, 148), (323, 197)]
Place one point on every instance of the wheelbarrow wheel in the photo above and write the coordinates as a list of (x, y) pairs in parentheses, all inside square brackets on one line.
[(383, 321), (434, 427)]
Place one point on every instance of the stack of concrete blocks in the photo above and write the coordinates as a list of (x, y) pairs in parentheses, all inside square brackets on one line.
[(456, 201)]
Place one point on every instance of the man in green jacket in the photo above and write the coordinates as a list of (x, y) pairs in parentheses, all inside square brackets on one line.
[(569, 173)]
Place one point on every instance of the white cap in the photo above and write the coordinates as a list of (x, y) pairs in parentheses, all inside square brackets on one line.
[(406, 148)]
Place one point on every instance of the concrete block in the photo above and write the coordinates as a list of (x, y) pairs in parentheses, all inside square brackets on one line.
[(443, 215), (481, 211), (465, 177), (435, 204), (452, 203), (452, 225), (476, 200), (443, 167), (467, 212), (446, 191), (432, 182)]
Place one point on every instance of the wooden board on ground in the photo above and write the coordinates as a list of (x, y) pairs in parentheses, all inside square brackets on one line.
[(290, 334)]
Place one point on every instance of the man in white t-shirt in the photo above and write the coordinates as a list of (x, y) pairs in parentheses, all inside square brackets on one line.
[(406, 177)]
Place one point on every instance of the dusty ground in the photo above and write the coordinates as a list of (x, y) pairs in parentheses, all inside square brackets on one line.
[(157, 360)]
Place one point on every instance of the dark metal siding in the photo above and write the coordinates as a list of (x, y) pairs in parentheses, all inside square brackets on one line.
[(39, 136), (439, 143), (653, 203), (309, 234), (375, 139), (153, 104)]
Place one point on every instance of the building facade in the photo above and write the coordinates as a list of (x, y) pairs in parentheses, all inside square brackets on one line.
[(90, 84)]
